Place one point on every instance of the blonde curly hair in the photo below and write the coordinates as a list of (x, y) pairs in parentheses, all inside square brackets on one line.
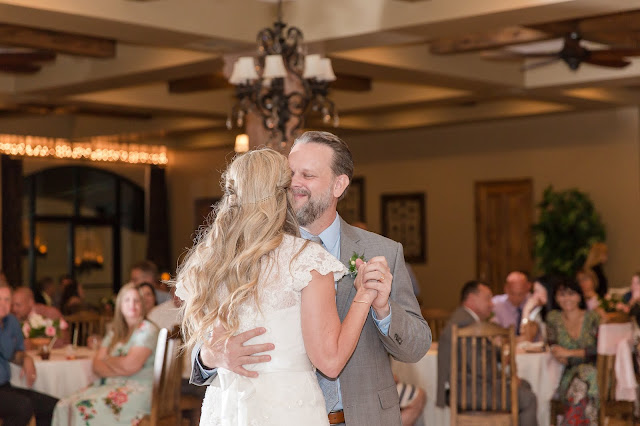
[(222, 270)]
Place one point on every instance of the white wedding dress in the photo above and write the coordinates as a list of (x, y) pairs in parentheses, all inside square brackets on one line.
[(286, 392)]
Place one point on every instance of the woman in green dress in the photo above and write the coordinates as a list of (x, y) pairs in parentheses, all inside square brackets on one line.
[(572, 333), (124, 363)]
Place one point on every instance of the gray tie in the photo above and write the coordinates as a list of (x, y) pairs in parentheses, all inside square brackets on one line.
[(329, 387)]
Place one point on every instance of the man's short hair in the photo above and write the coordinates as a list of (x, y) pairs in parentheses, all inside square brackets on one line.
[(470, 287), (342, 159), (148, 267)]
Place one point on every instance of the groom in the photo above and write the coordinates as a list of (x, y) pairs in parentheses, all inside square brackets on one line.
[(365, 393)]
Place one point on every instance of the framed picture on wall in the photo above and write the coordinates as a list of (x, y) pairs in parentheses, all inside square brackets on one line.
[(352, 207), (404, 220), (201, 209)]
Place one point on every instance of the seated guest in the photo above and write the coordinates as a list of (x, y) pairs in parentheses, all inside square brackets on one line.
[(535, 310), (23, 305), (124, 364), (508, 307), (18, 405), (572, 333), (148, 296), (147, 271), (45, 291), (588, 283), (597, 257), (633, 295), (475, 307), (73, 298)]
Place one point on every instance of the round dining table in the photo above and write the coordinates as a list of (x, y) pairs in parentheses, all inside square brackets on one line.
[(540, 369), (64, 373)]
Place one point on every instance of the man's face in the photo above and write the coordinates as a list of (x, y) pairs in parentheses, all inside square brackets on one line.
[(480, 302), (517, 288), (21, 305), (139, 276), (312, 181), (5, 302)]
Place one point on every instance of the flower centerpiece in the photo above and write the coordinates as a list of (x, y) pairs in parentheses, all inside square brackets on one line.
[(41, 330), (614, 308)]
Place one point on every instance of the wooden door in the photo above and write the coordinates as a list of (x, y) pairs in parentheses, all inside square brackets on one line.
[(504, 215)]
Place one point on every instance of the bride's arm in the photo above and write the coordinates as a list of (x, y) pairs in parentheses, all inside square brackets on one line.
[(329, 343)]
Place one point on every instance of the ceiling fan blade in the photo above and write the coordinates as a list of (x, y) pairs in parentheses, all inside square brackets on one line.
[(610, 63), (10, 58), (617, 53), (25, 68), (540, 64), (622, 39)]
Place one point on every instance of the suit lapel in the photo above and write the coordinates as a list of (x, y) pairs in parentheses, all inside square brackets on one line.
[(349, 243)]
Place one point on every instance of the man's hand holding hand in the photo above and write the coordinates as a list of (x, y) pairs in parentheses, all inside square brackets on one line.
[(377, 276)]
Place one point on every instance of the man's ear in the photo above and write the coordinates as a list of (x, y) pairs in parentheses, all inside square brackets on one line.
[(340, 185)]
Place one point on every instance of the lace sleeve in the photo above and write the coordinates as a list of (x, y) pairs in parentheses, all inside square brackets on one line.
[(314, 257)]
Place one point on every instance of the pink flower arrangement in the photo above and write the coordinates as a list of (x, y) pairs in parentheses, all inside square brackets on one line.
[(38, 326)]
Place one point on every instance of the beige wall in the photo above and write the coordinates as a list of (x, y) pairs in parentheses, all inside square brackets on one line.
[(597, 152)]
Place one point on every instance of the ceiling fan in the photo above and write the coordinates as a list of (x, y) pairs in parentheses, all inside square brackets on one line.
[(573, 53)]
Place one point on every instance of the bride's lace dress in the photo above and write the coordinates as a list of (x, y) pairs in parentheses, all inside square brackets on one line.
[(286, 391)]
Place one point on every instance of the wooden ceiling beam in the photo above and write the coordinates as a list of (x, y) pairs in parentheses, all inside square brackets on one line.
[(199, 83), (489, 40), (71, 44), (351, 83)]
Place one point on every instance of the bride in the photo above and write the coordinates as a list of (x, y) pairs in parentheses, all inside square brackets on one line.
[(250, 268)]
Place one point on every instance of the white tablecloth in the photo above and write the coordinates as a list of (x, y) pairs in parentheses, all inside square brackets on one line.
[(58, 376), (541, 370)]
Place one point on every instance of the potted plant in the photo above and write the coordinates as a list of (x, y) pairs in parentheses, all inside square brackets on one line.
[(567, 227)]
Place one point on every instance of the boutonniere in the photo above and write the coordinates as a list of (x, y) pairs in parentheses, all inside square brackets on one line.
[(353, 271)]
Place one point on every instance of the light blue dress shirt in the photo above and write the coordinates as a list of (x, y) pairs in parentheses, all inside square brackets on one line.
[(331, 240)]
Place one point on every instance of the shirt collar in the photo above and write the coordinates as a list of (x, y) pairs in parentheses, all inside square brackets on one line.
[(330, 236)]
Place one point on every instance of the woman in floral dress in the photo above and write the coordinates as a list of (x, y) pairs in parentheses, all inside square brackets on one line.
[(572, 333), (124, 363)]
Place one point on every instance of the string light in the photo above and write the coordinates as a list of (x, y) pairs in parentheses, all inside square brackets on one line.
[(105, 148)]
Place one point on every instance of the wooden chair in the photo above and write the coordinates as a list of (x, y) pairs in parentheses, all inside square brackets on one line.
[(167, 368), (483, 406), (609, 407), (84, 324), (437, 319)]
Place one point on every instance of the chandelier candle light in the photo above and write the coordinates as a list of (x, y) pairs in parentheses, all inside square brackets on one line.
[(283, 86)]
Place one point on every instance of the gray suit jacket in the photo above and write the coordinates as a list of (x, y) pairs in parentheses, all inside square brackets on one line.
[(369, 394)]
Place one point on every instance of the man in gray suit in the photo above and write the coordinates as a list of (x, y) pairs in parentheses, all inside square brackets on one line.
[(476, 306), (365, 393)]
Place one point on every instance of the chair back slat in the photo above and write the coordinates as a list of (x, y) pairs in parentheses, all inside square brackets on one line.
[(488, 370), (83, 324), (474, 373), (463, 368), (484, 374), (167, 372)]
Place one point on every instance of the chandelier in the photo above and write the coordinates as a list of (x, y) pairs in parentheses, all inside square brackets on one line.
[(283, 85)]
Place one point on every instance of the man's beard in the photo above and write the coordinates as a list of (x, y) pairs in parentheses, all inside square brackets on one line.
[(310, 211)]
